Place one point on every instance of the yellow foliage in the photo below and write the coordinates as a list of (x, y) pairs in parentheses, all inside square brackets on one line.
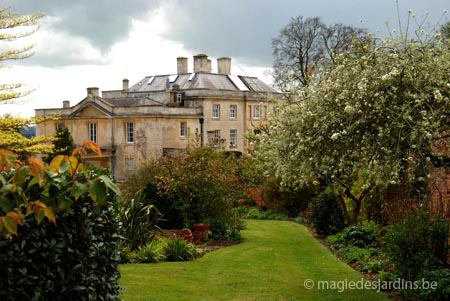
[(10, 138)]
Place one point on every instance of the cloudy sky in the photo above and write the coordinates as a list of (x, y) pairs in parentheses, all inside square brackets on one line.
[(87, 43)]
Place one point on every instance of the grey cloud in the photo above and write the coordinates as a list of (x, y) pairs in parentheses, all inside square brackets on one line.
[(244, 29), (101, 22)]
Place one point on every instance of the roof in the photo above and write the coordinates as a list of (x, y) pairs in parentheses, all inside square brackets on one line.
[(211, 81), (133, 101)]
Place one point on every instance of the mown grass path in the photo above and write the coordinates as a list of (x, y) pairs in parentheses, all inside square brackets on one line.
[(271, 264)]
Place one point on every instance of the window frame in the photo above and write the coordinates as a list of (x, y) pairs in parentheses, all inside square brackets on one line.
[(233, 143), (214, 115), (216, 138), (234, 107), (92, 131), (183, 129), (255, 116), (127, 133)]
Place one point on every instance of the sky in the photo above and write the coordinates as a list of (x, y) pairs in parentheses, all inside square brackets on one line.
[(97, 43)]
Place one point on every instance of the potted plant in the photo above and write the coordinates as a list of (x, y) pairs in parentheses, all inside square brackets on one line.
[(185, 234), (203, 228)]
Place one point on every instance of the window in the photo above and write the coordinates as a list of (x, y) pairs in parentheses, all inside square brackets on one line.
[(129, 164), (93, 132), (233, 111), (216, 136), (233, 138), (180, 97), (129, 132), (183, 129), (256, 111), (216, 111)]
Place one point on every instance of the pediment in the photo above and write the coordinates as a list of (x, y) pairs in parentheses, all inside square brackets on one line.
[(91, 110)]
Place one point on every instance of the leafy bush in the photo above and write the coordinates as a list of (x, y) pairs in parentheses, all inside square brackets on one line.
[(326, 214), (288, 200), (139, 222), (59, 230), (373, 265), (336, 241), (442, 278), (301, 220), (417, 243), (191, 188), (77, 259), (354, 254), (151, 252), (227, 230), (177, 249), (361, 235), (257, 213)]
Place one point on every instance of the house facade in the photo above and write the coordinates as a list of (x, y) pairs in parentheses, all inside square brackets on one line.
[(164, 114)]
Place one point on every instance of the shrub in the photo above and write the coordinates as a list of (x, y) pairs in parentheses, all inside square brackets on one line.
[(374, 265), (301, 220), (326, 214), (361, 235), (76, 259), (354, 254), (227, 230), (138, 222), (288, 200), (336, 241), (151, 252), (442, 278), (417, 243), (258, 213), (59, 230), (177, 249), (197, 187)]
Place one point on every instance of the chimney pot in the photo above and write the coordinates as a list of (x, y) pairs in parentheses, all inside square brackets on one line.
[(201, 63), (182, 65), (93, 91), (224, 65), (125, 84), (66, 104)]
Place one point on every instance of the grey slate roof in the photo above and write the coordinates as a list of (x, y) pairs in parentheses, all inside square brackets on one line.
[(135, 101), (211, 81)]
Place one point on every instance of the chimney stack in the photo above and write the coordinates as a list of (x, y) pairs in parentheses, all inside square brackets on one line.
[(125, 84), (224, 65), (93, 91), (66, 104), (201, 63), (182, 65)]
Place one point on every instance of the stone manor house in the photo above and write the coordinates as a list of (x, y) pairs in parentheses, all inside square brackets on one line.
[(164, 114)]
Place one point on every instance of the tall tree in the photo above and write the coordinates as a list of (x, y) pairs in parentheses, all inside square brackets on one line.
[(63, 143), (13, 27), (375, 118), (304, 45)]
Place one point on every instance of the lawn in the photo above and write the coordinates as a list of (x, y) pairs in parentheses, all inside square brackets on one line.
[(271, 264)]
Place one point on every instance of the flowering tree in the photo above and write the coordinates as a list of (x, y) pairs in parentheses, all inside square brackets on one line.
[(381, 111)]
